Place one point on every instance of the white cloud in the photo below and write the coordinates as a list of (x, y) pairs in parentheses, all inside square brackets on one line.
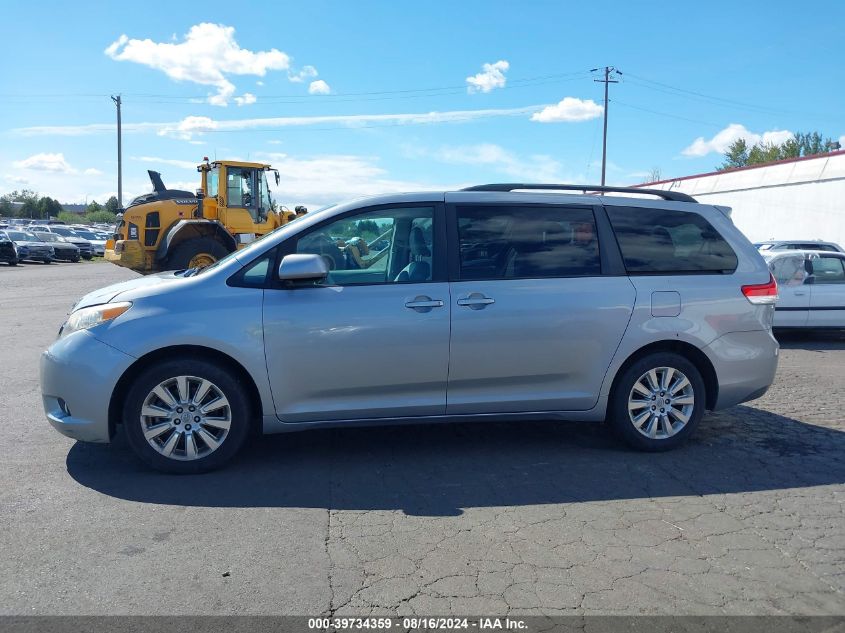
[(182, 164), (534, 168), (723, 139), (18, 180), (568, 110), (52, 163), (321, 180), (492, 76), (189, 126), (45, 162), (319, 87), (208, 54), (247, 99), (193, 125), (307, 72)]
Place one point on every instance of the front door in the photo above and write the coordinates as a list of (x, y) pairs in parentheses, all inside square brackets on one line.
[(534, 322), (372, 341)]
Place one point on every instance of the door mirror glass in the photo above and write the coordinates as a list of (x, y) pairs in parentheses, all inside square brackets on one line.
[(303, 267)]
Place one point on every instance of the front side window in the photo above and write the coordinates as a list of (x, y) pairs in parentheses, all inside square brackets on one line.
[(664, 241), (828, 270), (511, 242), (789, 271), (377, 247)]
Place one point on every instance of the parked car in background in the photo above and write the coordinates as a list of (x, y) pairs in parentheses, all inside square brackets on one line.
[(98, 244), (798, 245), (63, 249), (520, 304), (811, 288), (30, 248), (86, 251), (8, 250)]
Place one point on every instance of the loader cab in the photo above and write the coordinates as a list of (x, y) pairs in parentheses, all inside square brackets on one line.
[(241, 195)]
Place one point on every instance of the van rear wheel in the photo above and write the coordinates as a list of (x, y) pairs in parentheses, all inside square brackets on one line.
[(186, 416), (657, 402), (198, 252)]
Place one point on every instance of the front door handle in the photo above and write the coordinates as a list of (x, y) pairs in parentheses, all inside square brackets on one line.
[(423, 303), (475, 301)]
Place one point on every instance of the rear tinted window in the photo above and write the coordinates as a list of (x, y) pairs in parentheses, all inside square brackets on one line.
[(510, 242), (666, 241)]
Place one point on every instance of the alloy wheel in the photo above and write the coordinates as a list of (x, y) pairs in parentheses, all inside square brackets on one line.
[(186, 418), (661, 402)]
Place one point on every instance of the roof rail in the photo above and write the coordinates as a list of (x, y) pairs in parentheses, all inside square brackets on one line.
[(676, 196)]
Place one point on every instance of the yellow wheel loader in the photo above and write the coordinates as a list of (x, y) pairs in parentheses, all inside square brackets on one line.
[(170, 229)]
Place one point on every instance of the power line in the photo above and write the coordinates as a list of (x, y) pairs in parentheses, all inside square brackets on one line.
[(418, 92), (665, 88), (666, 114)]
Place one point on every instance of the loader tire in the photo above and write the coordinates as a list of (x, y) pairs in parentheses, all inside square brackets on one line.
[(196, 253)]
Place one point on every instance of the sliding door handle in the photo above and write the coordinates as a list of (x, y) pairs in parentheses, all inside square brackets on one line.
[(475, 301)]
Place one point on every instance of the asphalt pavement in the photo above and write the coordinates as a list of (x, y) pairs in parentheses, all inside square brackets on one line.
[(495, 518)]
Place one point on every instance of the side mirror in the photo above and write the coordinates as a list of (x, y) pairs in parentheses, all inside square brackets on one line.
[(304, 267)]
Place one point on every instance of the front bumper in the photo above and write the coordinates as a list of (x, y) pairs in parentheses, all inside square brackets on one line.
[(127, 253), (78, 376)]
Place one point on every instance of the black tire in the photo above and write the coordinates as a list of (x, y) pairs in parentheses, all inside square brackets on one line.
[(88, 257), (620, 419), (46, 261), (227, 383), (13, 262), (182, 254), (75, 260)]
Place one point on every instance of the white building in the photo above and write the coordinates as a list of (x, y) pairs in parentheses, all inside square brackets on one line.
[(794, 199)]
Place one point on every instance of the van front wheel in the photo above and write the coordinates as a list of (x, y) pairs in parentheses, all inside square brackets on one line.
[(186, 416), (657, 402)]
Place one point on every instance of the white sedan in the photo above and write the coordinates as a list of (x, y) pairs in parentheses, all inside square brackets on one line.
[(811, 288)]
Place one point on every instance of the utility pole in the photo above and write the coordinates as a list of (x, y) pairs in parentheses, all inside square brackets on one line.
[(117, 102), (606, 81)]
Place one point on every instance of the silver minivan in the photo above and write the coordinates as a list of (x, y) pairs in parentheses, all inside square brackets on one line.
[(496, 302)]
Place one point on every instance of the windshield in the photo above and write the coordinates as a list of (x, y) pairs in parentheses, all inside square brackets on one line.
[(20, 236), (88, 235), (266, 201), (48, 237), (63, 231), (246, 251)]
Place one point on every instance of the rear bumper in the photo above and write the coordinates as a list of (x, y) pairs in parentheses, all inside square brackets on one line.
[(745, 364), (78, 376)]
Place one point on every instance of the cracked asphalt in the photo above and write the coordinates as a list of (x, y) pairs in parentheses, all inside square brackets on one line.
[(517, 518)]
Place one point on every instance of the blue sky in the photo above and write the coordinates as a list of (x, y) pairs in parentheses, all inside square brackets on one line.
[(349, 98)]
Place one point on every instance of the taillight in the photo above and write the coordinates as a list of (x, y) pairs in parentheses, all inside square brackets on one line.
[(762, 294)]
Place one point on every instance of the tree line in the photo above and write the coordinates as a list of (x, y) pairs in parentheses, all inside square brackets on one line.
[(30, 204), (740, 154)]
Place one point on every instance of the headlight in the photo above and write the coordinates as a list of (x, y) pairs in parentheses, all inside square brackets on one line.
[(86, 318)]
